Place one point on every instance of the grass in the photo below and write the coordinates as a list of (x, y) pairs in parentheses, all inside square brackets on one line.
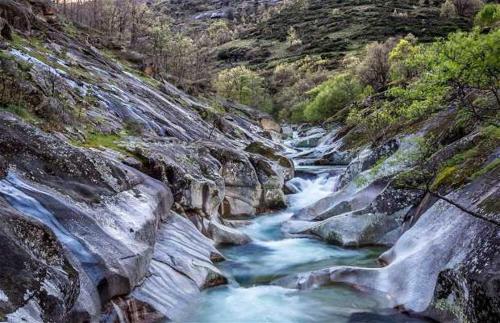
[(102, 140), (20, 111)]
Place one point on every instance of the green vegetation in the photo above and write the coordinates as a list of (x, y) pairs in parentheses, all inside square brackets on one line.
[(489, 16), (421, 79), (470, 163), (104, 140), (244, 86), (20, 111), (332, 96)]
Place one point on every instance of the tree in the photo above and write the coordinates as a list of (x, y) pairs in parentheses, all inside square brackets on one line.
[(375, 67), (293, 38), (465, 68), (402, 59), (219, 32), (448, 9), (467, 8), (242, 85), (332, 96)]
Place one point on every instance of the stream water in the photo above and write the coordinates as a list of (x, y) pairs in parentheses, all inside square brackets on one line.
[(250, 296)]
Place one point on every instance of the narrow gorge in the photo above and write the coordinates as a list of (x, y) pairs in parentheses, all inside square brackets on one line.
[(125, 199)]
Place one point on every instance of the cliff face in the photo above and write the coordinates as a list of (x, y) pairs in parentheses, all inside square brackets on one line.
[(114, 186)]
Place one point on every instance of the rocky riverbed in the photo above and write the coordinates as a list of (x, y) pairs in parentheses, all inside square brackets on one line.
[(124, 199)]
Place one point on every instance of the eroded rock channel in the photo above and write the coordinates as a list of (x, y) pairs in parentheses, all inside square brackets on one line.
[(124, 199), (258, 271)]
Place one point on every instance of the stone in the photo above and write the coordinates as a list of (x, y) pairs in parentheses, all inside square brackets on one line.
[(5, 29), (35, 270), (270, 125), (222, 234), (445, 266)]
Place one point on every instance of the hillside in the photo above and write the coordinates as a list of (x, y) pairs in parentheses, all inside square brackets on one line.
[(328, 29)]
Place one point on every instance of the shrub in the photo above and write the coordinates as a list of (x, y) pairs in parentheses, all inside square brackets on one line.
[(293, 39), (332, 96), (219, 32), (464, 67), (402, 59), (291, 81), (375, 67), (448, 9), (467, 8), (489, 16)]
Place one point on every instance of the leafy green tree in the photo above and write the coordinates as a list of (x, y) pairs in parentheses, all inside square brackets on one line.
[(332, 96), (402, 59), (244, 86), (463, 67)]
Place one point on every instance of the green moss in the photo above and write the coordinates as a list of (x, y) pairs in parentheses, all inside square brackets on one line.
[(444, 176), (70, 29), (18, 110), (378, 165), (5, 56), (472, 163), (487, 168), (491, 132), (35, 48)]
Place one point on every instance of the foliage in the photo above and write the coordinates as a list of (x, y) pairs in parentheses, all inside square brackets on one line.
[(332, 96), (467, 8), (219, 32), (489, 16), (402, 60), (290, 83), (293, 38), (463, 66), (244, 86), (178, 56), (21, 111)]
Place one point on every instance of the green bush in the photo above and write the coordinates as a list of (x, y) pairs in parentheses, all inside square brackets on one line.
[(489, 16), (463, 67), (332, 96)]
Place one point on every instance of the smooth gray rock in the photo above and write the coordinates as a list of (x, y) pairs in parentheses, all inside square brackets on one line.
[(444, 266)]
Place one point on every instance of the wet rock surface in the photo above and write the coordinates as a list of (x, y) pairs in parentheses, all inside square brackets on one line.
[(38, 281)]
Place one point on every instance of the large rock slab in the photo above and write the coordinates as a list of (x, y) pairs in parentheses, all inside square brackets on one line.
[(445, 266), (379, 223), (181, 267), (104, 213)]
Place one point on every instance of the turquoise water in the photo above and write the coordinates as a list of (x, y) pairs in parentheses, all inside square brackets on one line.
[(250, 297)]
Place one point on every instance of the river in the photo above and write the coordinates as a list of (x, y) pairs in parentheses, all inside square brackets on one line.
[(250, 295)]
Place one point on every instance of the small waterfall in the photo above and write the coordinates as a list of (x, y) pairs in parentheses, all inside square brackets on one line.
[(311, 190)]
